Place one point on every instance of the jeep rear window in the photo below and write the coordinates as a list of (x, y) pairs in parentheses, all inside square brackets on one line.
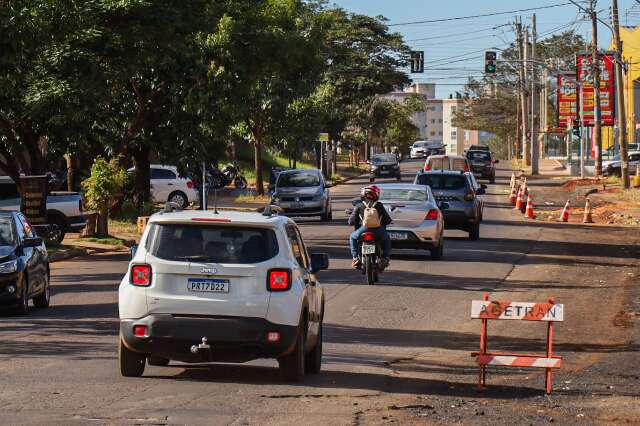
[(214, 243), (443, 181)]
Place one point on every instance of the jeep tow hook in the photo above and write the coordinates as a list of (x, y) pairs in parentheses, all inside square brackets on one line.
[(204, 346)]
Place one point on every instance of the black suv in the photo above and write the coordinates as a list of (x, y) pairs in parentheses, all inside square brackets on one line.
[(482, 164), (384, 166), (459, 201), (24, 264)]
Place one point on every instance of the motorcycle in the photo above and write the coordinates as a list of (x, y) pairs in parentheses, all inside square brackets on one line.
[(230, 173), (369, 252)]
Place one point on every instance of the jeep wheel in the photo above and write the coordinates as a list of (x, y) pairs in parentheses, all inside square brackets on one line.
[(292, 365), (131, 363), (55, 232), (313, 361), (180, 198)]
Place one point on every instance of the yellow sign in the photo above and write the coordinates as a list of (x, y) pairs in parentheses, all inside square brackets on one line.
[(323, 137)]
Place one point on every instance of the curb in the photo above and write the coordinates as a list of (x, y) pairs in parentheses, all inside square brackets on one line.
[(67, 254)]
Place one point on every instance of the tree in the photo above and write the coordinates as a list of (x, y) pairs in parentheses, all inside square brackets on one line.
[(44, 105), (101, 188)]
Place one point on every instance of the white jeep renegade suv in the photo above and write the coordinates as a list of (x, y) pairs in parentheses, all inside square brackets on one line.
[(227, 287)]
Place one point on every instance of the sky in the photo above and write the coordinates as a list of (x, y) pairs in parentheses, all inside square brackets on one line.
[(454, 50)]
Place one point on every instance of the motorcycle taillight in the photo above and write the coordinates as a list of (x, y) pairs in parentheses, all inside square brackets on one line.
[(368, 237)]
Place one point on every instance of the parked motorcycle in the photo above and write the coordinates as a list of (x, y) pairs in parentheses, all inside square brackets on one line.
[(219, 178)]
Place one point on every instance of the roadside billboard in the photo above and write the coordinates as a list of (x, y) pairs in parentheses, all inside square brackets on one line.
[(585, 79), (567, 99)]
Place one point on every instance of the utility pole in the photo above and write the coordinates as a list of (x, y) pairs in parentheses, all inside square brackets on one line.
[(523, 89), (595, 68), (535, 146), (526, 109), (622, 121)]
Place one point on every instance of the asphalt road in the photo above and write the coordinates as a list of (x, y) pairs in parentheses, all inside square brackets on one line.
[(405, 341)]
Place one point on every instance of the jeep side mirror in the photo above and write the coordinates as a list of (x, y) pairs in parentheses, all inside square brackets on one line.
[(442, 205), (480, 191), (483, 186), (319, 262)]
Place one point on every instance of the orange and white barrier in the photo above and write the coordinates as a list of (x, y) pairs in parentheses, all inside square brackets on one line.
[(486, 310)]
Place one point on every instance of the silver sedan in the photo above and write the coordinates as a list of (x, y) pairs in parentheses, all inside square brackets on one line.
[(417, 219)]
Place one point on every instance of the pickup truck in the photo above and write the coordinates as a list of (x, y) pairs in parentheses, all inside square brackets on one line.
[(64, 209)]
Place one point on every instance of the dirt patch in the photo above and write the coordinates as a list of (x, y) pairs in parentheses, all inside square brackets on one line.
[(571, 185)]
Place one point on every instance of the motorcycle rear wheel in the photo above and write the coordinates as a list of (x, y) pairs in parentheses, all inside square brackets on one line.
[(370, 269)]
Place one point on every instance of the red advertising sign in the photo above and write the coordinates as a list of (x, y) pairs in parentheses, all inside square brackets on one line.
[(567, 99), (585, 78)]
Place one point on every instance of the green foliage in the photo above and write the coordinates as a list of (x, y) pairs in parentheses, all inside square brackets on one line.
[(106, 181)]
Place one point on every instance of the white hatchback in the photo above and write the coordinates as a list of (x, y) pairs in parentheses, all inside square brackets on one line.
[(227, 287), (168, 185)]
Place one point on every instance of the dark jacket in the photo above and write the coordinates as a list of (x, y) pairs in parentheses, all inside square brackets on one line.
[(358, 213)]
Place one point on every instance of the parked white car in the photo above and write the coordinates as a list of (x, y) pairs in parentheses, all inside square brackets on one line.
[(227, 287), (168, 185)]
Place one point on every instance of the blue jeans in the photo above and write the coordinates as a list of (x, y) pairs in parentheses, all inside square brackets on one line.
[(381, 236)]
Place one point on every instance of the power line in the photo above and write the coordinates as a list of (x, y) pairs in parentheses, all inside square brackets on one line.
[(457, 18)]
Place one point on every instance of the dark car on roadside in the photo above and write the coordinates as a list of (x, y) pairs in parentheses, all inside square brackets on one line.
[(482, 164), (384, 166), (458, 197), (24, 264)]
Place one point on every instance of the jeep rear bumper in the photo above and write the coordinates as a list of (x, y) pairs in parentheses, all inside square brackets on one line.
[(232, 339)]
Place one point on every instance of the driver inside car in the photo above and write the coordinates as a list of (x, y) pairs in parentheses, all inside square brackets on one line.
[(364, 219)]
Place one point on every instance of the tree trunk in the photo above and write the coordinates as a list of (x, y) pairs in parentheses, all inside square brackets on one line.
[(103, 222), (143, 174), (70, 170), (257, 144)]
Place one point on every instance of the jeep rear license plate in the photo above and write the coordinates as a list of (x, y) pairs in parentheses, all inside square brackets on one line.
[(297, 205), (398, 235), (368, 249), (206, 285)]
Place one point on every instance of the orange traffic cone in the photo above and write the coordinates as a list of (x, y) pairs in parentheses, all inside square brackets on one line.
[(587, 212), (564, 217), (513, 196), (519, 199), (529, 214)]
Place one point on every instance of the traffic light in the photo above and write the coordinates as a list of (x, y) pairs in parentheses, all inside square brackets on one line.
[(417, 61), (576, 127), (490, 62)]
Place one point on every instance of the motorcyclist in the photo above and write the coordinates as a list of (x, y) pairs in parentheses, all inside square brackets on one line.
[(370, 199)]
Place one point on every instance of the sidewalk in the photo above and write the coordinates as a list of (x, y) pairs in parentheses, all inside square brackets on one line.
[(548, 167)]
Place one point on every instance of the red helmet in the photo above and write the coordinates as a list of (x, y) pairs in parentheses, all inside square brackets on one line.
[(370, 192)]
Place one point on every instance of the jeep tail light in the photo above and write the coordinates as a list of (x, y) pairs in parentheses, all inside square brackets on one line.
[(368, 237), (431, 215), (466, 167), (140, 275), (427, 167), (140, 331), (279, 280), (189, 184), (468, 196)]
